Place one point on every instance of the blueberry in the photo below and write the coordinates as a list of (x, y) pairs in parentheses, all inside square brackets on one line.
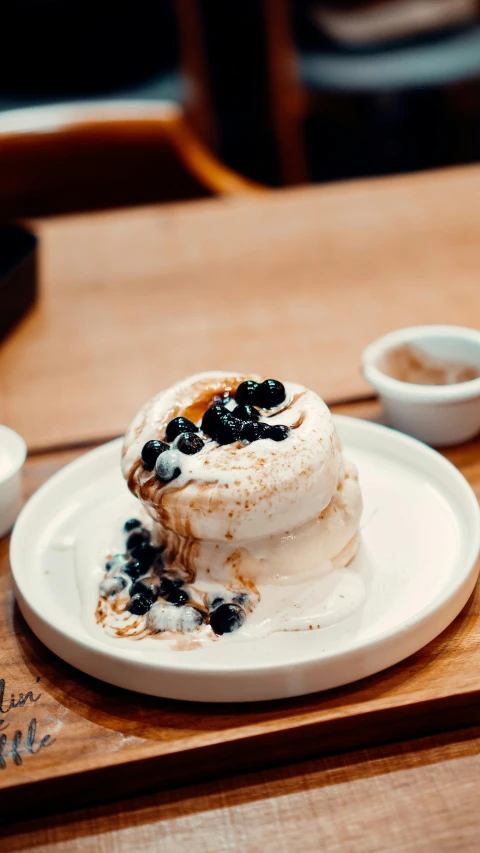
[(246, 413), (278, 432), (146, 587), (167, 467), (172, 592), (213, 417), (167, 585), (253, 431), (269, 394), (241, 598), (144, 554), (111, 586), (131, 524), (150, 453), (229, 430), (179, 425), (227, 618), (137, 538), (139, 604), (134, 569), (216, 601), (246, 392), (115, 563), (178, 597), (189, 443)]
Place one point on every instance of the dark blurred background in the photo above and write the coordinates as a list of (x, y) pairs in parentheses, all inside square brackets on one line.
[(281, 92)]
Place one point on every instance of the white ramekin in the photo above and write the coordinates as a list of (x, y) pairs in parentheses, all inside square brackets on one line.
[(12, 456), (437, 414)]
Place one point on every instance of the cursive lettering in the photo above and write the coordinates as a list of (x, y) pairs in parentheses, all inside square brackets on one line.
[(18, 747), (15, 703)]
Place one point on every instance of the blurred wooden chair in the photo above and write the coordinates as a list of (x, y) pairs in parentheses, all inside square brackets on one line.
[(244, 97), (84, 156)]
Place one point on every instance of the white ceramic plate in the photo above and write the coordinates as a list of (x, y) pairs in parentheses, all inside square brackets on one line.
[(421, 539)]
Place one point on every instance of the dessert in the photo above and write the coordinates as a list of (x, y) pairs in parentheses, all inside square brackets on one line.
[(247, 503)]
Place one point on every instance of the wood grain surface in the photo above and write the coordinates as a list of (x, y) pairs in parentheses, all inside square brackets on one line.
[(293, 283), (103, 742), (413, 797)]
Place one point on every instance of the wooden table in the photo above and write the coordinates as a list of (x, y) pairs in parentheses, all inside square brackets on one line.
[(74, 372), (134, 300)]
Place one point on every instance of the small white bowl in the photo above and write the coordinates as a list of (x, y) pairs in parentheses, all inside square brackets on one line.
[(441, 415), (13, 452)]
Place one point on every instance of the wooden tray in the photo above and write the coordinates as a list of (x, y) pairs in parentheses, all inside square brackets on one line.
[(67, 739)]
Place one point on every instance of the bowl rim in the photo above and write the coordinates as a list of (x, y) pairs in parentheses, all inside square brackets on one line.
[(15, 448), (385, 384)]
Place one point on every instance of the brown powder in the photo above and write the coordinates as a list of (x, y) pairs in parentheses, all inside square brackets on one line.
[(409, 363)]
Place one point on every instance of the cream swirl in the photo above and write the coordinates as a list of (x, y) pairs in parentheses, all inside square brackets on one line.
[(242, 508)]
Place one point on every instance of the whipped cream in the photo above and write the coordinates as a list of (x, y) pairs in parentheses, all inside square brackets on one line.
[(247, 514)]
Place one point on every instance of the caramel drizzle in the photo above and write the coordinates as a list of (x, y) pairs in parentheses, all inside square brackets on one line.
[(205, 392), (298, 423), (132, 477)]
